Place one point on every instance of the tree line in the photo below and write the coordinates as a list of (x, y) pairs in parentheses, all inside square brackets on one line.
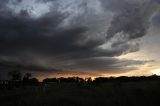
[(16, 79), (16, 75)]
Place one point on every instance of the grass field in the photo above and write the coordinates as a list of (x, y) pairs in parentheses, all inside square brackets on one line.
[(139, 93)]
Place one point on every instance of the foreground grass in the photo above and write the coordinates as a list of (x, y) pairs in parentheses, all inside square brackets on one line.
[(144, 93)]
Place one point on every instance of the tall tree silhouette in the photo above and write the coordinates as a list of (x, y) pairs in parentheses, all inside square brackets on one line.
[(27, 76), (15, 75)]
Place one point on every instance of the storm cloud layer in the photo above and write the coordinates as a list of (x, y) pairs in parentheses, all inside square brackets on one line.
[(73, 35)]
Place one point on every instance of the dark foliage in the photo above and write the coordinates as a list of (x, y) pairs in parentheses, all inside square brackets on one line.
[(15, 75), (74, 91)]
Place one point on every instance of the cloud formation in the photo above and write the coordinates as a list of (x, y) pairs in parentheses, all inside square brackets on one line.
[(73, 35)]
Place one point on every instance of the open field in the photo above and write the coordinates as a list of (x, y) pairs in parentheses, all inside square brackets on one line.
[(115, 93)]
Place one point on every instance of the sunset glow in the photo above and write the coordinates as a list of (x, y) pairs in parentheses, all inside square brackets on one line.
[(156, 71)]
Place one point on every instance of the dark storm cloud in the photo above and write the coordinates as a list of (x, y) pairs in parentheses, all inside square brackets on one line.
[(20, 66), (20, 32), (131, 19), (156, 20), (104, 64), (75, 45), (155, 1)]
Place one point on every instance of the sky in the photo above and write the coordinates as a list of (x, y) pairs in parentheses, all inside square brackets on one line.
[(54, 38)]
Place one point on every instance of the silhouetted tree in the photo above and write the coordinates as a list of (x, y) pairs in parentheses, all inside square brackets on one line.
[(88, 79), (15, 75), (27, 76), (50, 80), (34, 80)]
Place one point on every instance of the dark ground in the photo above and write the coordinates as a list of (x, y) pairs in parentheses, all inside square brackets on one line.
[(114, 93)]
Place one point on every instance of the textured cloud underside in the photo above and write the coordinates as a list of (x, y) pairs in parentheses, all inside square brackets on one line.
[(73, 35)]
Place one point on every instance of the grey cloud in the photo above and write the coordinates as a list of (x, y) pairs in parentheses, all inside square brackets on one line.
[(131, 21), (25, 37), (22, 32), (105, 65), (131, 17), (21, 66), (156, 20)]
